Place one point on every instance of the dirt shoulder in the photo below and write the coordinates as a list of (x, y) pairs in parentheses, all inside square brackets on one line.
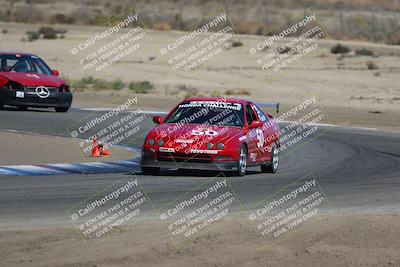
[(23, 148), (335, 240)]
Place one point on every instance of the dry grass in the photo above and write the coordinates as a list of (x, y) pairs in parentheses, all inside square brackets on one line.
[(374, 20)]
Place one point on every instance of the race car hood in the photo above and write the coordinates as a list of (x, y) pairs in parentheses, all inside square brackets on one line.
[(33, 79), (174, 134)]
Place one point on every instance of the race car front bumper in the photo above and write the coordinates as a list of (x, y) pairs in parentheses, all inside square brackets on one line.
[(31, 99), (149, 159)]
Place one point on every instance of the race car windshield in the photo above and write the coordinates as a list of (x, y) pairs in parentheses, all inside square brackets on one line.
[(26, 64), (208, 113)]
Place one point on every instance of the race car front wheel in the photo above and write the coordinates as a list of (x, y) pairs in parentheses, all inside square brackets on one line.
[(150, 170), (273, 165), (242, 162)]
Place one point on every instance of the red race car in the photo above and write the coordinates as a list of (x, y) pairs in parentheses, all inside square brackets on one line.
[(213, 134), (27, 81)]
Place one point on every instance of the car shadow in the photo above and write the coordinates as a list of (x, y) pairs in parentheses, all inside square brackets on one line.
[(16, 109), (199, 173)]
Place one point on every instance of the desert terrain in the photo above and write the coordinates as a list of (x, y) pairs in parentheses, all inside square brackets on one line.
[(349, 92)]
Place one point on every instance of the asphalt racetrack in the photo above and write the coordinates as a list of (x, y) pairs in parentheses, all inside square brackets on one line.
[(358, 169)]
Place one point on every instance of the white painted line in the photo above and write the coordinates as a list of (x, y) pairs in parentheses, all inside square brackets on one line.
[(29, 170), (336, 125), (34, 169)]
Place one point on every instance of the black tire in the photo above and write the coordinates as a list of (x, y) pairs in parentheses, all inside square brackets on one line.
[(272, 166), (150, 170), (61, 109), (241, 169)]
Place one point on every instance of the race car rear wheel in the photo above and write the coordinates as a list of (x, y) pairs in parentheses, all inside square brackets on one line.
[(242, 162), (272, 167), (150, 170)]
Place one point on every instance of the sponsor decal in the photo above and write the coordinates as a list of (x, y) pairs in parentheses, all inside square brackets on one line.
[(206, 132), (167, 149), (203, 151), (184, 141), (260, 138), (212, 104)]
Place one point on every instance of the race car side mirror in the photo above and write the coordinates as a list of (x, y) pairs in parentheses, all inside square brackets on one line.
[(158, 119), (255, 124), (56, 72)]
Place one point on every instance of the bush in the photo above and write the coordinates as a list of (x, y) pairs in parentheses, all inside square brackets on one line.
[(84, 82), (230, 92), (364, 52), (237, 92), (141, 87), (90, 82), (243, 92), (103, 84), (117, 84), (284, 49), (48, 33), (236, 43), (371, 65), (340, 49), (32, 36)]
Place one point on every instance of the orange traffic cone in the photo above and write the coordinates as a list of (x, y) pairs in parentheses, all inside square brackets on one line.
[(96, 152), (103, 151)]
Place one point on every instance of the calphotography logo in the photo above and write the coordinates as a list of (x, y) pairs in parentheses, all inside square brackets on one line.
[(42, 92)]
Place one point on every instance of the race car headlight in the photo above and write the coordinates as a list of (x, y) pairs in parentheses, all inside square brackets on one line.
[(160, 143), (220, 146), (151, 142), (209, 145)]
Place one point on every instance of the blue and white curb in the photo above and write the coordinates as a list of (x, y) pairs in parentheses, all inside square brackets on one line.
[(69, 168), (73, 168)]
